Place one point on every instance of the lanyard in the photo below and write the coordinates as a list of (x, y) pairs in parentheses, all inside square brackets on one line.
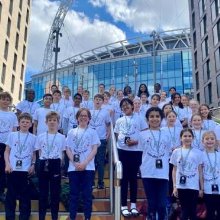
[(30, 106), (212, 167), (156, 142), (54, 107), (50, 147), (78, 140), (20, 145), (173, 137), (95, 116), (197, 139), (182, 158), (128, 124)]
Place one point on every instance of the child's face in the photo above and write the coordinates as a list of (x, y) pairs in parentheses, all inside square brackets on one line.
[(83, 118), (127, 108), (194, 106), (209, 141), (52, 123), (163, 96), (56, 97), (167, 109), (5, 102), (48, 100), (137, 105), (77, 100), (98, 102), (196, 122), (120, 95), (187, 138), (171, 118), (25, 124), (144, 99), (177, 99), (112, 91), (86, 95), (155, 101), (185, 101), (154, 120), (204, 111), (106, 98), (66, 93)]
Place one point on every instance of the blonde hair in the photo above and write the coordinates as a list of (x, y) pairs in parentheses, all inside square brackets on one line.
[(53, 114)]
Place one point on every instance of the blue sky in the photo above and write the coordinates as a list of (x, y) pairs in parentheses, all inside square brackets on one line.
[(93, 23)]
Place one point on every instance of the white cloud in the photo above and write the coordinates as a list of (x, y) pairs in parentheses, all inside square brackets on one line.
[(79, 33), (146, 15)]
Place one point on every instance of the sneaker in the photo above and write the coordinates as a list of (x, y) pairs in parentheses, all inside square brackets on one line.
[(101, 186)]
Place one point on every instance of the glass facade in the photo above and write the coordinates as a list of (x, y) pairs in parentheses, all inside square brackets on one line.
[(173, 68)]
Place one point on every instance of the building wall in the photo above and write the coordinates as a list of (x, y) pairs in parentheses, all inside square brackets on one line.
[(205, 35), (173, 68), (14, 26)]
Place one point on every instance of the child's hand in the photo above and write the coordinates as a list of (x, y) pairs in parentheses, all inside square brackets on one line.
[(131, 143), (31, 170), (200, 193), (81, 166), (8, 168), (175, 192)]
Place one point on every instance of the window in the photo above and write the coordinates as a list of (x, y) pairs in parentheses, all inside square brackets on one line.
[(16, 40), (216, 33), (195, 60), (208, 94), (23, 53), (215, 9), (192, 4), (198, 97), (202, 7), (197, 80), (22, 72), (203, 26), (15, 62), (218, 85), (27, 16), (12, 83), (11, 6), (206, 71), (217, 59), (205, 48), (25, 35), (19, 21), (9, 27), (194, 40), (20, 92), (6, 49), (20, 4), (0, 11), (3, 73)]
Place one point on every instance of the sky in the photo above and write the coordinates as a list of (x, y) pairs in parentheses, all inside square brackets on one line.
[(93, 23)]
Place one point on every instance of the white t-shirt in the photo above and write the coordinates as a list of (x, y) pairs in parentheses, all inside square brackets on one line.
[(81, 141), (87, 104), (209, 125), (117, 110), (188, 113), (8, 120), (40, 117), (129, 126), (67, 102), (28, 107), (59, 108), (70, 114), (155, 147), (162, 103), (177, 123), (208, 171), (181, 115), (100, 118), (50, 146), (21, 149), (192, 162), (174, 135), (197, 140)]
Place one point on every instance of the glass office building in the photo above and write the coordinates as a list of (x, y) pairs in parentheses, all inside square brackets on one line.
[(165, 59)]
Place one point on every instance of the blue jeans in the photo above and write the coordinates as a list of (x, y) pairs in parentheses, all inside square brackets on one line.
[(100, 161), (156, 191), (81, 181)]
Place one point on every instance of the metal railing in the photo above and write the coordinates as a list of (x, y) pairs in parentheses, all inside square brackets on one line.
[(115, 178)]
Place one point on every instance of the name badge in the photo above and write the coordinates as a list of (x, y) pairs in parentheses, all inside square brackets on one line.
[(76, 158), (215, 189), (159, 163), (18, 164), (74, 126), (183, 180)]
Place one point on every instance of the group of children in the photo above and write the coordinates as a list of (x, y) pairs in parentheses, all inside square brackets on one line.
[(173, 142)]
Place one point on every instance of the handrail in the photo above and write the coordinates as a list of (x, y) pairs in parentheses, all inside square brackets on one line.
[(115, 178)]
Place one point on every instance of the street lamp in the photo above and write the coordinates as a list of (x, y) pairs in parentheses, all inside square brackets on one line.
[(135, 75), (154, 36)]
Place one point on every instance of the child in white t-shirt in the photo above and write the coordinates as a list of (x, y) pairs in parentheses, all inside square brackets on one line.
[(40, 115), (8, 123), (156, 144), (82, 144), (187, 174), (211, 170), (20, 160), (50, 145), (86, 103)]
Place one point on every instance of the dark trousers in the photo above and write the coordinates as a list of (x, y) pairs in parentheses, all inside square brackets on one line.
[(81, 181), (156, 192), (131, 161), (100, 161), (49, 181), (2, 168), (17, 189), (213, 205), (188, 200)]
